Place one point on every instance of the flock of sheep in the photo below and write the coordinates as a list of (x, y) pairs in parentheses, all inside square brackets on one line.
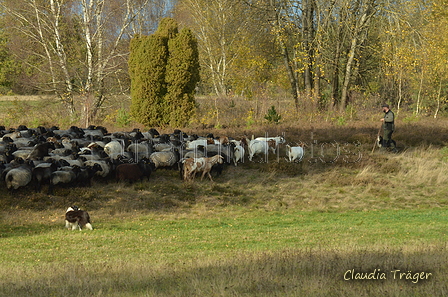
[(54, 157)]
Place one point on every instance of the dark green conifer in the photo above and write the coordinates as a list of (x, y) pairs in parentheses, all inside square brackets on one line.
[(164, 71), (182, 75)]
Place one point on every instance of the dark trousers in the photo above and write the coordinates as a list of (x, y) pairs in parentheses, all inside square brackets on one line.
[(387, 139)]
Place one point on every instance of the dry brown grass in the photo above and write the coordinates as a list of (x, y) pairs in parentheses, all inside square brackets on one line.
[(414, 178)]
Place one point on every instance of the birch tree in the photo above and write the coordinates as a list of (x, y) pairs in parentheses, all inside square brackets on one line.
[(358, 33), (222, 27), (38, 24), (101, 30)]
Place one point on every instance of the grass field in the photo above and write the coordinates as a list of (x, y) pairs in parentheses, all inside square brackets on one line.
[(261, 229), (227, 253)]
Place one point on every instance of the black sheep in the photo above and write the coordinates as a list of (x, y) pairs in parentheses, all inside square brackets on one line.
[(86, 173), (154, 133), (42, 173), (41, 150)]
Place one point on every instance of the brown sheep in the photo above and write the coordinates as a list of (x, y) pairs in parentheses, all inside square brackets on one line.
[(134, 171), (129, 172)]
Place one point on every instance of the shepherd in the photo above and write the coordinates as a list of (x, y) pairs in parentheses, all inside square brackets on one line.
[(388, 129)]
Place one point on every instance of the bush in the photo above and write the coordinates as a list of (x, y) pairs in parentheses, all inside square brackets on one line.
[(123, 118), (272, 116)]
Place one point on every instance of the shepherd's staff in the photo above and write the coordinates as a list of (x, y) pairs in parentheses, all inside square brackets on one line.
[(376, 140)]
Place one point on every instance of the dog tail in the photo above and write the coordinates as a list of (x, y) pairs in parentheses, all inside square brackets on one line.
[(89, 226)]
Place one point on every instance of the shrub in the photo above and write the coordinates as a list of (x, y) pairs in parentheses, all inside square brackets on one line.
[(123, 119), (272, 116)]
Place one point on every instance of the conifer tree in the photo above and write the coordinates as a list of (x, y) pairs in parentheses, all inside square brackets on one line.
[(182, 75), (164, 71), (147, 64)]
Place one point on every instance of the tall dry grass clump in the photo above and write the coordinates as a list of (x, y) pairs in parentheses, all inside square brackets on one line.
[(424, 166)]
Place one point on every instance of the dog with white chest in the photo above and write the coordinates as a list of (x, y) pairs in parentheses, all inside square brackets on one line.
[(76, 218)]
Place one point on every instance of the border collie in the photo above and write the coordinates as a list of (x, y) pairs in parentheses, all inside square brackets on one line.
[(380, 142), (76, 218)]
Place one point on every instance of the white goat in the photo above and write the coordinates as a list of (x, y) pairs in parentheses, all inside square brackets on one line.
[(260, 147), (194, 143), (197, 165), (238, 154), (190, 166), (278, 139), (294, 153)]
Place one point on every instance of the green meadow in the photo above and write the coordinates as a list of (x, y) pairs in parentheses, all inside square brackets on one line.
[(227, 253)]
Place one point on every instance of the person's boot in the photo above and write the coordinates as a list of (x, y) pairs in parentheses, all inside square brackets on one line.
[(393, 148)]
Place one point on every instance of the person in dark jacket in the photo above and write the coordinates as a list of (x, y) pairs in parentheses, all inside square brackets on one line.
[(388, 128)]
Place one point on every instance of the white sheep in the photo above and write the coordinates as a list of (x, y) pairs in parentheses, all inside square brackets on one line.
[(12, 135), (113, 148), (23, 153), (140, 150), (160, 147), (165, 158), (63, 176), (19, 177), (193, 154)]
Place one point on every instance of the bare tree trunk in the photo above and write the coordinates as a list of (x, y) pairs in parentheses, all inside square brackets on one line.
[(316, 93), (295, 91), (98, 58), (348, 74), (291, 74), (87, 11), (60, 51), (308, 36), (400, 90), (335, 75), (359, 30), (417, 110), (438, 99)]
